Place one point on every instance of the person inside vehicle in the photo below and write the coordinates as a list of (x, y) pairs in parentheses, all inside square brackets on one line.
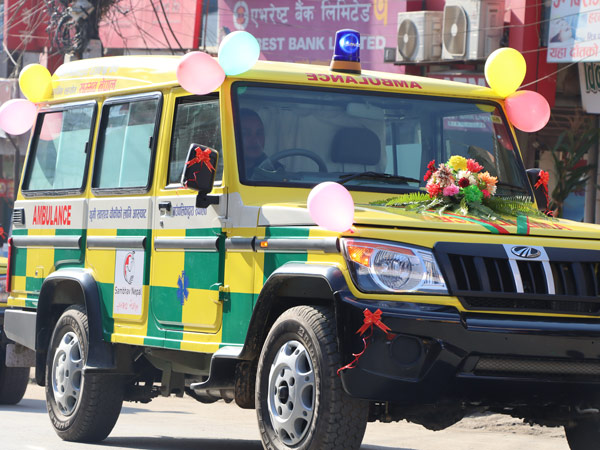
[(253, 143)]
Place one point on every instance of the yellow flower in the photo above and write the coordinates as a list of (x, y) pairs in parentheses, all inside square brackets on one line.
[(458, 162)]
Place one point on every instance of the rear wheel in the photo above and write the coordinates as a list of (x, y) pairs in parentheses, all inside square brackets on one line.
[(584, 435), (13, 382), (82, 407), (300, 402)]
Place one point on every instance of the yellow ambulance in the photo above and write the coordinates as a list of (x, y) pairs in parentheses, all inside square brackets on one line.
[(133, 275)]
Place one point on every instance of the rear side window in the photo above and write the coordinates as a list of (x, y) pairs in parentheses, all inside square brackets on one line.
[(197, 120), (60, 148), (125, 144)]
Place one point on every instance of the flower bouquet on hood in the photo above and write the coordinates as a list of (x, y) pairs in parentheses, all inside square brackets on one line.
[(461, 186)]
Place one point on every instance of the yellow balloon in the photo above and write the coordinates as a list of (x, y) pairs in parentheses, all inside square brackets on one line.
[(505, 70), (35, 82)]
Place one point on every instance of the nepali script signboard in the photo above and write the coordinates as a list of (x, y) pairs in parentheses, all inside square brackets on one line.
[(304, 30), (589, 82), (574, 31)]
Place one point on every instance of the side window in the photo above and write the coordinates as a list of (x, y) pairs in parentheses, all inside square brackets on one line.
[(197, 120), (59, 151), (124, 155)]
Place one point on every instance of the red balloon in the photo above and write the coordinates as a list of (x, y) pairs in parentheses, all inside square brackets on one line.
[(199, 73), (527, 110)]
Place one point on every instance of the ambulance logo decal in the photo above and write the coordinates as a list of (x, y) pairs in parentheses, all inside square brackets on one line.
[(129, 267), (182, 287)]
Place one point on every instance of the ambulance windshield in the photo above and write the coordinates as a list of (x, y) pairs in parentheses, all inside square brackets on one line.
[(369, 140)]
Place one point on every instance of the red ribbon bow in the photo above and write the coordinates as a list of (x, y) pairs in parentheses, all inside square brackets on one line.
[(542, 181), (202, 157), (373, 319)]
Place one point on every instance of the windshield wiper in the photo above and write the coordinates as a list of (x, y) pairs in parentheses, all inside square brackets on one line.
[(385, 177)]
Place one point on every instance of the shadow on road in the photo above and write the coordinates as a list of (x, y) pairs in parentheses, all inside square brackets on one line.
[(134, 410), (170, 443), (27, 405)]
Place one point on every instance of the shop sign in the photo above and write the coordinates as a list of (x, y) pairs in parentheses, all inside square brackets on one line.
[(574, 31), (589, 83), (304, 30)]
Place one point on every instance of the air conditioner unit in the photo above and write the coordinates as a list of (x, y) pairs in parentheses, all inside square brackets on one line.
[(472, 29), (419, 36)]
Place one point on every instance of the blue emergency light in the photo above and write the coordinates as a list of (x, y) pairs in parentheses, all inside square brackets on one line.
[(347, 46), (346, 56)]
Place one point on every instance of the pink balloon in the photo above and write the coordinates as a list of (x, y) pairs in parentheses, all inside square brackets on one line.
[(52, 126), (17, 116), (199, 73), (527, 110), (331, 206)]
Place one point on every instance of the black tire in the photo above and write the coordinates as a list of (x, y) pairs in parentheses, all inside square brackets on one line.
[(584, 435), (13, 382), (92, 402), (319, 414)]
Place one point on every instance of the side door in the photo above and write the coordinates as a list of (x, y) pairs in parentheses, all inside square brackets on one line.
[(188, 242), (120, 214)]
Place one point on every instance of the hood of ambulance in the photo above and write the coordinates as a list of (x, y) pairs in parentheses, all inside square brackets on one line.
[(365, 216)]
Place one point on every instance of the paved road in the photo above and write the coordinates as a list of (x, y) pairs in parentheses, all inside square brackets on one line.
[(184, 424)]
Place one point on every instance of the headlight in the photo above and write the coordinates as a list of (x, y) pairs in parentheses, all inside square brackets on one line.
[(383, 267)]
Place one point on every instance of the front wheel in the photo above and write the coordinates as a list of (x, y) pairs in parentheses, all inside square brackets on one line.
[(584, 435), (300, 402), (82, 408)]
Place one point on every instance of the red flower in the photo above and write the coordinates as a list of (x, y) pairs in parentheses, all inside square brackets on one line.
[(427, 175), (473, 166), (463, 182), (431, 165), (433, 189), (486, 193)]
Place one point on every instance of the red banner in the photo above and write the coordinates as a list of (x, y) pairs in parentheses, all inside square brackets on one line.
[(25, 23), (151, 24)]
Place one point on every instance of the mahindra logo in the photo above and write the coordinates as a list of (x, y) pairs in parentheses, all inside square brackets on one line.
[(525, 252)]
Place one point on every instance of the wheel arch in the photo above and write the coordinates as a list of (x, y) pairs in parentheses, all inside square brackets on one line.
[(60, 290), (291, 285)]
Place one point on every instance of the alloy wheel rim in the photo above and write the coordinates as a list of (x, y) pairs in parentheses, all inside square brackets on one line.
[(291, 398), (67, 373)]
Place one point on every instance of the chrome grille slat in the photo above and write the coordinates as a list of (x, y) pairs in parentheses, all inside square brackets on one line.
[(488, 277)]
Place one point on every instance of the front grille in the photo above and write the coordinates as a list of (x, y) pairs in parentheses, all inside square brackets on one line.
[(487, 276), (493, 365)]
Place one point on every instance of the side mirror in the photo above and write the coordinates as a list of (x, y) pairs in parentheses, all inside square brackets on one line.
[(199, 173), (540, 196)]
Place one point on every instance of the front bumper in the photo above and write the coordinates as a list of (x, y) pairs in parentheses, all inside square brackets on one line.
[(441, 354)]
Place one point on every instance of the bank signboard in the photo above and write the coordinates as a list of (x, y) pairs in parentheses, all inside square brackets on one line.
[(304, 30)]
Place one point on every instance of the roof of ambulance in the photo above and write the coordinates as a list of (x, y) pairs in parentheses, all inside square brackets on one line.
[(152, 72)]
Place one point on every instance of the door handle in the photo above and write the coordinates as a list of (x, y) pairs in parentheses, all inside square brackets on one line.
[(164, 206)]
